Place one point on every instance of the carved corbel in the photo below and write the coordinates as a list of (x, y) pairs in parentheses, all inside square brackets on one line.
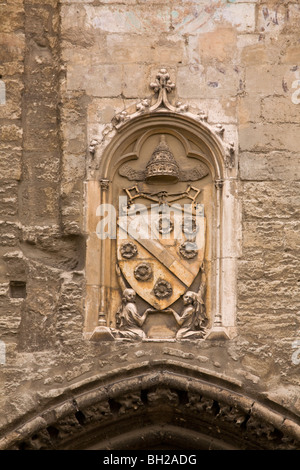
[(219, 183), (219, 130), (104, 183), (143, 106), (229, 155), (122, 117), (202, 116), (182, 107), (92, 146)]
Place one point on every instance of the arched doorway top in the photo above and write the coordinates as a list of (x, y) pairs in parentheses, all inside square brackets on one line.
[(113, 411)]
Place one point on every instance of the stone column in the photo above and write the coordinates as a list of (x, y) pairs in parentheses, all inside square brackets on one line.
[(102, 332)]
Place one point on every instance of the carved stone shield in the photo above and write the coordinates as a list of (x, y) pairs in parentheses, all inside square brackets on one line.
[(161, 254)]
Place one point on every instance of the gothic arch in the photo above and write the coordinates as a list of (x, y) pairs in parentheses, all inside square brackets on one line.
[(171, 406)]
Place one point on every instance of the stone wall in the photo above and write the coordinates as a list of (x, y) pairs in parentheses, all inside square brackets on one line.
[(68, 68)]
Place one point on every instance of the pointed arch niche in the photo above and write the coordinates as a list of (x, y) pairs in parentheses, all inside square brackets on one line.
[(125, 143)]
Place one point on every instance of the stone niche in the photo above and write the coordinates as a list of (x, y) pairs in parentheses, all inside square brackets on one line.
[(162, 225)]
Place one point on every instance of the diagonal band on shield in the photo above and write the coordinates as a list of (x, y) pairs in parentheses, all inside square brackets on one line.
[(162, 260)]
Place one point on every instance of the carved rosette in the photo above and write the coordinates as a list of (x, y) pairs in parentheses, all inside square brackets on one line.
[(162, 289), (129, 250), (190, 228), (188, 250), (165, 225), (143, 272)]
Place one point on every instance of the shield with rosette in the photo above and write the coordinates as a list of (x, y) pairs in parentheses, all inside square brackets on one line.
[(160, 252)]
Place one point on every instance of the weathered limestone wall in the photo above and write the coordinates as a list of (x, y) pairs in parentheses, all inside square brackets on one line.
[(69, 67)]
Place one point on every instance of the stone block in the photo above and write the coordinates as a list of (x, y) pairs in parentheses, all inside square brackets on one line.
[(253, 54), (10, 162), (223, 110), (43, 169), (190, 82), (269, 166), (250, 268), (271, 19), (242, 1), (248, 109), (102, 110), (10, 233), (84, 50), (240, 15), (265, 79), (121, 18), (96, 80), (12, 70), (12, 46), (280, 109), (39, 16), (291, 55), (84, 1), (43, 136), (11, 132), (219, 45), (166, 49), (50, 3), (74, 134), (267, 235), (271, 200), (74, 107), (127, 19), (8, 198), (71, 209), (269, 137), (291, 237), (73, 167), (191, 18), (39, 202), (223, 81), (135, 81), (10, 319), (12, 108), (126, 48), (12, 18), (293, 15)]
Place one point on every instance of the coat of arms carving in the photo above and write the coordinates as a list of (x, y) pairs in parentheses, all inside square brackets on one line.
[(160, 244), (168, 246)]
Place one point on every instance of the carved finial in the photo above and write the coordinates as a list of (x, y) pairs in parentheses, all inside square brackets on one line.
[(163, 85), (162, 81)]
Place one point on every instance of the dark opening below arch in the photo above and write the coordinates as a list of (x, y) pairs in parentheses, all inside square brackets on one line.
[(168, 406)]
